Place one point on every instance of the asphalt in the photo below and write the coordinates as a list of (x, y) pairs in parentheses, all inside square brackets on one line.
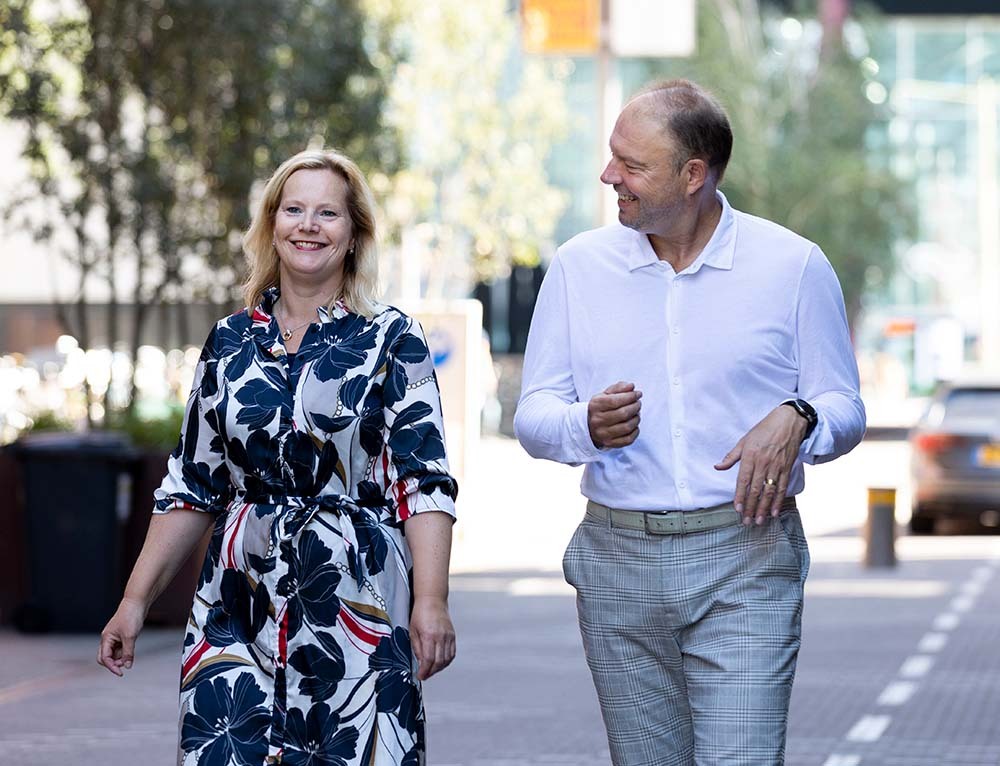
[(899, 666)]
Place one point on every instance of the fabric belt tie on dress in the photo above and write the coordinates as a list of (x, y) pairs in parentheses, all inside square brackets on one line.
[(673, 522), (300, 510)]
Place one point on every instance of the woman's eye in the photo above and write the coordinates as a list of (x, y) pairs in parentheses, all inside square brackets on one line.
[(328, 213), (292, 209)]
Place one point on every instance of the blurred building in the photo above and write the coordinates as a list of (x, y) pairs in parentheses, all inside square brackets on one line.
[(937, 69)]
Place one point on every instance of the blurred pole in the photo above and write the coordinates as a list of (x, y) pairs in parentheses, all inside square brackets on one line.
[(832, 15), (608, 93), (880, 529), (989, 230)]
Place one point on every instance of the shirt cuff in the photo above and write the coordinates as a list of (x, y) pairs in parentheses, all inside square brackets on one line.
[(819, 443), (586, 450)]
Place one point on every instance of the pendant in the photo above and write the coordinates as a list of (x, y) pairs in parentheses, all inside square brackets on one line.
[(286, 334)]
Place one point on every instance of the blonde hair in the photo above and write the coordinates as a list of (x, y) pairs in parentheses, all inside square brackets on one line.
[(360, 288)]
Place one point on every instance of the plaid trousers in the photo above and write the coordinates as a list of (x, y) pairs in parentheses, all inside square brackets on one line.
[(692, 639)]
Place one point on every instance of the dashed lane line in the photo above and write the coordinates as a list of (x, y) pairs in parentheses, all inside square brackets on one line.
[(946, 621), (869, 728), (897, 693), (842, 760), (916, 666), (932, 642)]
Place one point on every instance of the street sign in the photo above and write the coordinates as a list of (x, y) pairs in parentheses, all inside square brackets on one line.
[(561, 26), (653, 28)]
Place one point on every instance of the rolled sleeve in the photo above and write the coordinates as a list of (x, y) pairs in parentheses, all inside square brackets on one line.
[(828, 370), (551, 421), (417, 464), (197, 476)]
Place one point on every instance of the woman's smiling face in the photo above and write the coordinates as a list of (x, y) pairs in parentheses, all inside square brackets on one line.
[(312, 228)]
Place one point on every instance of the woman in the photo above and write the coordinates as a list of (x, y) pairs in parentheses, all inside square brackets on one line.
[(313, 443)]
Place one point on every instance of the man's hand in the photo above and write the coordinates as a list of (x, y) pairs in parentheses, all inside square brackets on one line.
[(613, 416), (766, 455)]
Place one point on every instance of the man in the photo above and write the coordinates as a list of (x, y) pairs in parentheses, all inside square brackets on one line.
[(727, 337)]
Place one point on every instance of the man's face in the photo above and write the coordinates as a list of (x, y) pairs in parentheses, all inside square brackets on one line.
[(643, 170)]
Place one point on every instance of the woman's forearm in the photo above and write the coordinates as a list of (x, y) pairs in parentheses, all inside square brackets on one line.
[(171, 538), (428, 535)]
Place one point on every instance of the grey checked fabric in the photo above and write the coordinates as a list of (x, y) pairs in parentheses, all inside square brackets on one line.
[(692, 639)]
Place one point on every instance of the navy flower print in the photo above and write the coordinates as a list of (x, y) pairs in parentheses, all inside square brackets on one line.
[(298, 646), (227, 725)]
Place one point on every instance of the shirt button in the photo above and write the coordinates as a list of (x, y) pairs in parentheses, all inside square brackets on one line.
[(677, 432), (682, 484), (677, 381), (676, 331)]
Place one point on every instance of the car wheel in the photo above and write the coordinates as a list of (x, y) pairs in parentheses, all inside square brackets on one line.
[(921, 525)]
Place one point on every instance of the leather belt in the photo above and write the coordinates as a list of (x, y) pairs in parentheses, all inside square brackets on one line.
[(673, 522)]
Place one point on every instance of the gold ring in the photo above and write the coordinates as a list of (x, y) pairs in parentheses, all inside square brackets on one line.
[(770, 482)]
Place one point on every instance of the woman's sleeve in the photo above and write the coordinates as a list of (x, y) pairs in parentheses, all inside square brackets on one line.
[(197, 475), (416, 463)]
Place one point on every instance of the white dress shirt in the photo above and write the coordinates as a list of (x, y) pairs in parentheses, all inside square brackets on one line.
[(757, 319)]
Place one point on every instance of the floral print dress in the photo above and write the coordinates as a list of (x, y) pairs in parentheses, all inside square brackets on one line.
[(297, 650)]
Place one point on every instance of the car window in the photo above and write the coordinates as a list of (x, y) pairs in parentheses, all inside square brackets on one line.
[(971, 403)]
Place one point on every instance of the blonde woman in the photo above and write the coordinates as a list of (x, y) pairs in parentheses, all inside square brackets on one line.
[(313, 445)]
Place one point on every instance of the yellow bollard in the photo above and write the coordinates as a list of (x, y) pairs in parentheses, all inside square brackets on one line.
[(880, 529)]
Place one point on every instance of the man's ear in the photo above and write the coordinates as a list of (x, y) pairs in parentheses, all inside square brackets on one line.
[(696, 173)]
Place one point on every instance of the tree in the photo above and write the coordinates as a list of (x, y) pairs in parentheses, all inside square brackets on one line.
[(148, 124), (796, 96), (479, 121)]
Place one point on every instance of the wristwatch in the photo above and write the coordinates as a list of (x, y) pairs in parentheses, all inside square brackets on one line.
[(807, 411)]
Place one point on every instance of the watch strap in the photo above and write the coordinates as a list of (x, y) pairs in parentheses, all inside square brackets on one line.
[(807, 411)]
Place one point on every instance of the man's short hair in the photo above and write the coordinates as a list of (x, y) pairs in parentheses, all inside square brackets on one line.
[(695, 120)]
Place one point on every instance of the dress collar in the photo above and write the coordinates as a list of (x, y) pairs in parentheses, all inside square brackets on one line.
[(264, 327)]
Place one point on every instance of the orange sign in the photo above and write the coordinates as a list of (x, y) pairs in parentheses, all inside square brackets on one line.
[(561, 26)]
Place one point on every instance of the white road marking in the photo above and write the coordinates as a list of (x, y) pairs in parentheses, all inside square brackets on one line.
[(842, 760), (897, 693), (869, 728), (972, 587), (981, 574), (916, 666), (946, 621), (962, 603), (932, 642)]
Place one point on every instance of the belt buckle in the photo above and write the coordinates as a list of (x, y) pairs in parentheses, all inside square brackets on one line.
[(668, 523)]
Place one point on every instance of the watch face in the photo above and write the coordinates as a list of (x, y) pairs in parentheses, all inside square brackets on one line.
[(806, 409)]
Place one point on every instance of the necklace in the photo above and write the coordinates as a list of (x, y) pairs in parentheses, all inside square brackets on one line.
[(286, 334)]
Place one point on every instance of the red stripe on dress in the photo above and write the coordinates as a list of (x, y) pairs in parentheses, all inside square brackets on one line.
[(354, 627), (283, 641), (192, 660), (234, 528)]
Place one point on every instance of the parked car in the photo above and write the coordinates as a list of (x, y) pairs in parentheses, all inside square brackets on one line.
[(955, 464)]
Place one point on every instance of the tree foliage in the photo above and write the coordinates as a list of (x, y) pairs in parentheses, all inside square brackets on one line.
[(479, 122), (801, 122), (148, 123)]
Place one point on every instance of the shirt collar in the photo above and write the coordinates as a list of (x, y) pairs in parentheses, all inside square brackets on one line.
[(717, 253)]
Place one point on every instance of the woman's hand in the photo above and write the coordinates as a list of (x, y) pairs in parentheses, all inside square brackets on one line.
[(432, 636), (117, 649)]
